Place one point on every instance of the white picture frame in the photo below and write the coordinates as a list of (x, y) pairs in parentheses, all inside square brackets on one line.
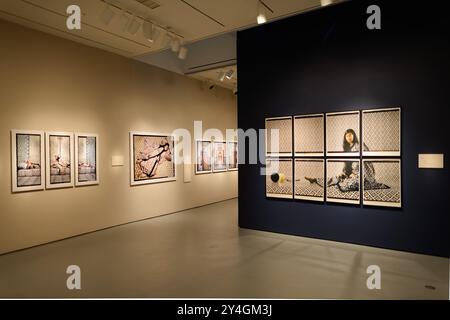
[(334, 140), (391, 192), (235, 146), (16, 173), (172, 164), (320, 179), (85, 182), (282, 189), (210, 156), (219, 153), (330, 199), (52, 165), (365, 133), (320, 139), (285, 135)]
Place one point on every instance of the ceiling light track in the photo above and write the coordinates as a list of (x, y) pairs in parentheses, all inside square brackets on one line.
[(203, 13)]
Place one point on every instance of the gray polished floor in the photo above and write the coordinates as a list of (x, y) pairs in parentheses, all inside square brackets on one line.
[(201, 253)]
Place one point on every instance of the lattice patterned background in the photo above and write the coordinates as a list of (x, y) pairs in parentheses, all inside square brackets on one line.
[(388, 173), (87, 150), (308, 134), (204, 156), (149, 145), (310, 169), (220, 154), (381, 130), (336, 127), (285, 135), (335, 168), (285, 167), (60, 145), (28, 148), (232, 150)]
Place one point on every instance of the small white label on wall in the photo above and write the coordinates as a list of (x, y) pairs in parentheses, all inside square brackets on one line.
[(431, 161), (117, 161)]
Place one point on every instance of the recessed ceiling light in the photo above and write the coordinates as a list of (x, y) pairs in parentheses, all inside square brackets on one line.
[(182, 54), (107, 14)]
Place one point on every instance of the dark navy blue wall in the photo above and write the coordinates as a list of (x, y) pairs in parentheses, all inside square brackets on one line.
[(327, 60)]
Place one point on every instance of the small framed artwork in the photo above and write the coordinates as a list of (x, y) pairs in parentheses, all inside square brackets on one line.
[(219, 156), (152, 158), (27, 159), (279, 137), (86, 159), (60, 159), (309, 135), (381, 130), (342, 134), (343, 180), (309, 179), (279, 178), (382, 182), (232, 150), (203, 162)]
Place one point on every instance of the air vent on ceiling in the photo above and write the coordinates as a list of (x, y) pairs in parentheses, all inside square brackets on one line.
[(150, 3)]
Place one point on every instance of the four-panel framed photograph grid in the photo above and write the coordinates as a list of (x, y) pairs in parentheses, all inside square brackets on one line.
[(351, 157)]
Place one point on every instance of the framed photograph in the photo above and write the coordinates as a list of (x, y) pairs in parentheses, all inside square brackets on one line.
[(381, 130), (152, 158), (60, 159), (219, 156), (203, 163), (232, 150), (27, 160), (343, 180), (342, 134), (382, 182), (280, 128), (279, 178), (309, 135), (86, 159), (309, 179)]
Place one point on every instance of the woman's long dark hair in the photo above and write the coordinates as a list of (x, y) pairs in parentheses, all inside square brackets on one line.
[(345, 144)]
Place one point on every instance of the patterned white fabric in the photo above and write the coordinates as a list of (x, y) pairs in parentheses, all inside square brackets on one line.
[(284, 127), (381, 130)]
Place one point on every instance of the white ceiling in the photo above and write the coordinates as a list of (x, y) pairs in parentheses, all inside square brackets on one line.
[(193, 20)]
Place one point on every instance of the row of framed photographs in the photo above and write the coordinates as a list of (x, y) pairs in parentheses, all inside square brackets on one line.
[(39, 154), (336, 180), (336, 134), (216, 156)]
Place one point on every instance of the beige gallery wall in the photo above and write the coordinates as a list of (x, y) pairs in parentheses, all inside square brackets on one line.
[(51, 84)]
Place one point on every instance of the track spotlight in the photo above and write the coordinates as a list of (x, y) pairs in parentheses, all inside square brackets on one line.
[(182, 54), (210, 85), (229, 74), (221, 76), (261, 18), (325, 2), (124, 20), (107, 14), (133, 26), (175, 44), (148, 30), (235, 91)]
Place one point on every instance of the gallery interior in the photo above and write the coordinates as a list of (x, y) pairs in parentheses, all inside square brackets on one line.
[(280, 149)]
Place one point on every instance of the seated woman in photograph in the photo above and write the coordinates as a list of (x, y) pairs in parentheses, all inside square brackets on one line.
[(28, 165), (348, 180), (60, 164), (149, 162)]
